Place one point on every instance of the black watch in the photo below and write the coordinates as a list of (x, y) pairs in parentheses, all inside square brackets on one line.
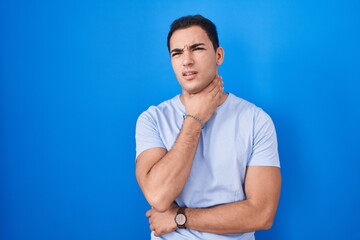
[(180, 218)]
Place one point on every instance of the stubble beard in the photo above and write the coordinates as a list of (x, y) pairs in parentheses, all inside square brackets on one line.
[(197, 88)]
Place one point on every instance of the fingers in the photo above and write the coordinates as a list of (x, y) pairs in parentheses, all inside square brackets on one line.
[(218, 86), (215, 85), (148, 213), (212, 86), (221, 85), (151, 226), (156, 233), (218, 92)]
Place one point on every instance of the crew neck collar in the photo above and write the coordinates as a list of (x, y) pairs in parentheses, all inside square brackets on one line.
[(182, 107)]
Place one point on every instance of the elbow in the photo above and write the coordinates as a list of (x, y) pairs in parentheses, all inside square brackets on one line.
[(266, 222), (161, 207), (156, 198), (159, 203)]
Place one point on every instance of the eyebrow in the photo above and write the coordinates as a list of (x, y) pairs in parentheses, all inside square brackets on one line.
[(191, 47)]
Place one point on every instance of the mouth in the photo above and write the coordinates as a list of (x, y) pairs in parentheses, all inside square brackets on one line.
[(189, 75)]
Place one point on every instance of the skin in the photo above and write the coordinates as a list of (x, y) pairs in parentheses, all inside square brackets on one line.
[(195, 64), (191, 51)]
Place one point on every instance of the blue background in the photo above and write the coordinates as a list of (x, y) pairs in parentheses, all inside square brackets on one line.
[(75, 75)]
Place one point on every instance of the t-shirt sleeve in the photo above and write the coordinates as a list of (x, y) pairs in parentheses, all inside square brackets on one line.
[(147, 133), (265, 147)]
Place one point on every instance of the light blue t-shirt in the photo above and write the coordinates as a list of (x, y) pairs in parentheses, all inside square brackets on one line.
[(238, 135)]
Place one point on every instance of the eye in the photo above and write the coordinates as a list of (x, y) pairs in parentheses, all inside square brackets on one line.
[(198, 48), (175, 54)]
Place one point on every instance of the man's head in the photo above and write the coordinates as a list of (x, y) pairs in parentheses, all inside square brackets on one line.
[(195, 52), (196, 20)]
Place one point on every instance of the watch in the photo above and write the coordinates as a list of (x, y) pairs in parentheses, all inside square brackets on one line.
[(180, 218)]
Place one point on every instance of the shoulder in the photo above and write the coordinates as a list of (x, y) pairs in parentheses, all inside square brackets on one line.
[(244, 107), (247, 112), (153, 112)]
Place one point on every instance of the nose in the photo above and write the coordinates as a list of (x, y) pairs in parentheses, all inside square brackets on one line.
[(188, 59)]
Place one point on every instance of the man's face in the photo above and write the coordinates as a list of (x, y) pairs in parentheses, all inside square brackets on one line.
[(193, 58)]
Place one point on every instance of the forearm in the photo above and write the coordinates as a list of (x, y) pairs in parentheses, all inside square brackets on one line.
[(166, 179), (162, 175), (237, 217), (257, 212)]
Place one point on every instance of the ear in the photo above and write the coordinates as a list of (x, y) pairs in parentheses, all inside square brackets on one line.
[(219, 56)]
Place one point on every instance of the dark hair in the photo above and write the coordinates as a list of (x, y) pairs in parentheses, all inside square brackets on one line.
[(195, 20)]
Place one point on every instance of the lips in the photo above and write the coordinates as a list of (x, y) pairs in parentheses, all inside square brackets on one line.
[(189, 74)]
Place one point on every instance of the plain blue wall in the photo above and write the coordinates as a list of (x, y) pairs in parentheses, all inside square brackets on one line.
[(75, 75)]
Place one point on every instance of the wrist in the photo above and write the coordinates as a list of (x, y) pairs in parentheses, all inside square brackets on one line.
[(180, 218), (194, 117)]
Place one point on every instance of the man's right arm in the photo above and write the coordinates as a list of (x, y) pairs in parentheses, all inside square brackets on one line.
[(162, 174)]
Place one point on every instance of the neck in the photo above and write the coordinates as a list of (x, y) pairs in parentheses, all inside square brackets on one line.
[(224, 96)]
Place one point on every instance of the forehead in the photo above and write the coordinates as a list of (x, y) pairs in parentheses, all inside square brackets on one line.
[(188, 36)]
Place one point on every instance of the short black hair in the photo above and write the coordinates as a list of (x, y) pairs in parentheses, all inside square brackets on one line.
[(195, 20)]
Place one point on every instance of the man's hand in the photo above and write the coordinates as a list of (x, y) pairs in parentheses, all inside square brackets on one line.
[(160, 177), (162, 222), (204, 103)]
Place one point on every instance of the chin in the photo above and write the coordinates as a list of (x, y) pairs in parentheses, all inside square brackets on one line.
[(193, 90)]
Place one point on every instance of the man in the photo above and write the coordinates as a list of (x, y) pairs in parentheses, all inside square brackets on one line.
[(206, 160)]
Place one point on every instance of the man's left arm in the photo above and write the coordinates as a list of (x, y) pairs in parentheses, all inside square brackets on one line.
[(257, 212)]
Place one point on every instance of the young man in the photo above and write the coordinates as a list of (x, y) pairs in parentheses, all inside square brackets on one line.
[(206, 160)]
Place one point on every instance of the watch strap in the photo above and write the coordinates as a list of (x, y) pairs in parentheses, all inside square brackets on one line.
[(181, 210)]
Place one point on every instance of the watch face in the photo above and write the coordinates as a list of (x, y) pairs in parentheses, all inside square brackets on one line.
[(180, 219)]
